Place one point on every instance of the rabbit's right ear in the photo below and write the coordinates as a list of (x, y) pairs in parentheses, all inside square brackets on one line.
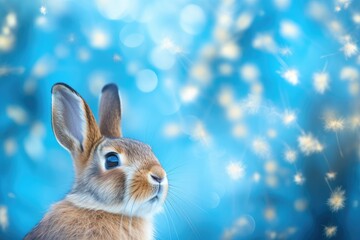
[(73, 122)]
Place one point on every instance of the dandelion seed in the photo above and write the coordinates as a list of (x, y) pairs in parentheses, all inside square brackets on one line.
[(330, 231), (331, 175), (43, 10), (290, 155), (333, 124), (309, 144), (349, 49), (321, 82), (337, 200), (235, 170), (288, 117), (291, 76), (342, 4), (11, 20), (272, 133), (299, 179), (271, 167), (99, 38)]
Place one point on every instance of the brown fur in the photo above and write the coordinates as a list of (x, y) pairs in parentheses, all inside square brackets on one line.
[(66, 221)]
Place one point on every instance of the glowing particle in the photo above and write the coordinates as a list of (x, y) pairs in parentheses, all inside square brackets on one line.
[(288, 117), (230, 50), (337, 200), (356, 18), (281, 4), (234, 112), (291, 76), (290, 155), (309, 144), (172, 130), (256, 177), (17, 114), (244, 21), (225, 69), (249, 72), (334, 124), (270, 167), (189, 93), (10, 146), (354, 121), (11, 20), (226, 96), (349, 74), (300, 205), (270, 214), (349, 49), (265, 42), (235, 170), (299, 179), (99, 38), (331, 175), (201, 72), (272, 133), (289, 30), (4, 221), (321, 82), (239, 130), (43, 10), (330, 231), (261, 147)]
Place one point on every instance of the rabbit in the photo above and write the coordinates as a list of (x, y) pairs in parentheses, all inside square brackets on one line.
[(119, 185)]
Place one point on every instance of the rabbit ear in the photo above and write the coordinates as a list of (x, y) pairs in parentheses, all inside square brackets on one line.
[(73, 122), (110, 112)]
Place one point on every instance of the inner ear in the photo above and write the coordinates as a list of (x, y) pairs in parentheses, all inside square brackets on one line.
[(110, 112)]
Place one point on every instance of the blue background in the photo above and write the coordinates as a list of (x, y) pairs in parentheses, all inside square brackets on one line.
[(203, 83)]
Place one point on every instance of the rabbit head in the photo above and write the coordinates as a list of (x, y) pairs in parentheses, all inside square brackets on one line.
[(113, 173)]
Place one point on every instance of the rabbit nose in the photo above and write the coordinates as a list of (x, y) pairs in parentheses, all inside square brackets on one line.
[(157, 175)]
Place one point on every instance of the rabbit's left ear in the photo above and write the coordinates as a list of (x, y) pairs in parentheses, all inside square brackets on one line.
[(110, 112)]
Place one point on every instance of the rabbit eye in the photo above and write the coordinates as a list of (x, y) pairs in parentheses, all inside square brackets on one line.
[(112, 160)]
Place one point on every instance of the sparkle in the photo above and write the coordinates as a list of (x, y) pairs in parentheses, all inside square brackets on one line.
[(291, 76), (299, 179), (288, 117), (331, 175), (235, 170), (330, 231), (337, 200), (43, 10)]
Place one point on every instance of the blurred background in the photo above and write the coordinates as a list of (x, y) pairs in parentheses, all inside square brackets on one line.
[(253, 108)]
